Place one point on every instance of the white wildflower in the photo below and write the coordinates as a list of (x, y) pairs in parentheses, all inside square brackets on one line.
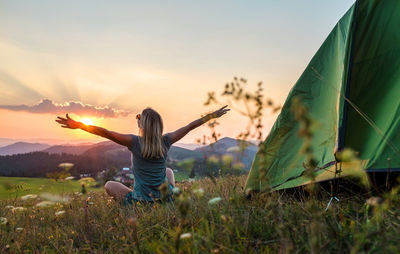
[(69, 178), (45, 204), (214, 200), (29, 196), (19, 229), (59, 213), (176, 191), (54, 198), (185, 236), (3, 220), (18, 209), (199, 192), (9, 207), (233, 149)]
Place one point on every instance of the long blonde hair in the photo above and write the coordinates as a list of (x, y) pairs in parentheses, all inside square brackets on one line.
[(151, 125)]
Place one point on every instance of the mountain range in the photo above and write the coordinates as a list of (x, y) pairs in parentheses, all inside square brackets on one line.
[(22, 147), (110, 154)]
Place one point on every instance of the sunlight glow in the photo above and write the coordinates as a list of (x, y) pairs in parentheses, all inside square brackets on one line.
[(87, 121)]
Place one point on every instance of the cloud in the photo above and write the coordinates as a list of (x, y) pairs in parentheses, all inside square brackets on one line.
[(76, 107)]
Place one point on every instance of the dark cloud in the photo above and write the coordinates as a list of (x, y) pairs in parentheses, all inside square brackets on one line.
[(48, 106)]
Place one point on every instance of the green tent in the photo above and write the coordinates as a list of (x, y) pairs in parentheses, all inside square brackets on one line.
[(352, 89)]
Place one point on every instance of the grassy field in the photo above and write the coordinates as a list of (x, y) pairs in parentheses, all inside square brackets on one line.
[(207, 217), (13, 187)]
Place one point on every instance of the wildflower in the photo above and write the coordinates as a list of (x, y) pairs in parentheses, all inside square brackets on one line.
[(66, 165), (3, 221), (227, 159), (224, 218), (19, 229), (29, 196), (214, 201), (233, 149), (86, 180), (18, 209), (176, 191), (346, 155), (163, 188), (238, 166), (185, 236), (374, 201), (69, 178), (184, 205), (213, 159), (54, 198), (59, 213), (248, 191), (132, 221), (91, 203), (45, 204), (9, 207), (199, 192)]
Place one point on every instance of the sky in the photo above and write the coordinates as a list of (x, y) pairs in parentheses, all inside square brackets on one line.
[(108, 60)]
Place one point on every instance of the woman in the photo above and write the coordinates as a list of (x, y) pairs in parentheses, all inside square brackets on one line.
[(149, 152)]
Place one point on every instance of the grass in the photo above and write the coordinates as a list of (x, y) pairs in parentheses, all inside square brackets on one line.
[(181, 176), (13, 187), (267, 223)]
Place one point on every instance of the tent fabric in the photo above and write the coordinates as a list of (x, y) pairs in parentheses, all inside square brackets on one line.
[(351, 88)]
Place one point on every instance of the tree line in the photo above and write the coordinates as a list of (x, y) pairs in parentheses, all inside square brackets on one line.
[(38, 164)]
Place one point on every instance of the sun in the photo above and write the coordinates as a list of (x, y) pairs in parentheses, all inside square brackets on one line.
[(87, 121)]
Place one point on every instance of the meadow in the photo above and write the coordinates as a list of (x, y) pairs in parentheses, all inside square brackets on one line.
[(207, 216), (14, 187)]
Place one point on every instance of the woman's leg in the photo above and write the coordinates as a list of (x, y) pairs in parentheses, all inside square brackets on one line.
[(116, 190), (170, 176)]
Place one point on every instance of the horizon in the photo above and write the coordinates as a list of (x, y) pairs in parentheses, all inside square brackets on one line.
[(109, 63), (4, 142)]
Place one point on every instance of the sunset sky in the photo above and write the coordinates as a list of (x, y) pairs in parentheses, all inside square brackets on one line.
[(107, 60)]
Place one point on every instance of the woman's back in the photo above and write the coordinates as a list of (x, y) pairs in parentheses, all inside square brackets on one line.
[(149, 173)]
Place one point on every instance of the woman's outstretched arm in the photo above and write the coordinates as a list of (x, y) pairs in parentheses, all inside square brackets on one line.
[(122, 139), (180, 133)]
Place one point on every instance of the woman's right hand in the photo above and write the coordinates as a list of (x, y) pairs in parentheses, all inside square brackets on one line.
[(68, 122)]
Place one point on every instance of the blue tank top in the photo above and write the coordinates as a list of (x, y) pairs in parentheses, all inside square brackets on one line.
[(149, 173)]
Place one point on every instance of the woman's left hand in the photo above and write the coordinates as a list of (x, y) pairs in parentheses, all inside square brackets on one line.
[(220, 112)]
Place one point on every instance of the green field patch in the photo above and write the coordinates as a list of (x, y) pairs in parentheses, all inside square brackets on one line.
[(12, 187)]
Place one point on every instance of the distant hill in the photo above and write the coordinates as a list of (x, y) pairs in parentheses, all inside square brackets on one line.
[(70, 149), (223, 144), (178, 153), (188, 145), (22, 147)]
